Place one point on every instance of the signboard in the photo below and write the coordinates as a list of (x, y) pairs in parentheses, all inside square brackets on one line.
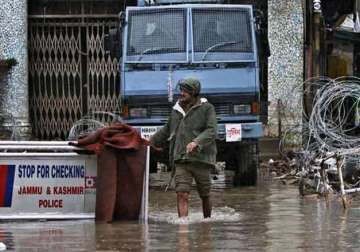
[(56, 183), (60, 186), (148, 131), (233, 132)]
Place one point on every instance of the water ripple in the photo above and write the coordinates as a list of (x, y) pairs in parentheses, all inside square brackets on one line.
[(219, 214)]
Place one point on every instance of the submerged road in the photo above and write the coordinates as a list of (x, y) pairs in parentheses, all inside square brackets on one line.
[(269, 217)]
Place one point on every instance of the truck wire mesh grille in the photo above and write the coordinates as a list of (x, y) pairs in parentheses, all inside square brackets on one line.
[(221, 30), (155, 31)]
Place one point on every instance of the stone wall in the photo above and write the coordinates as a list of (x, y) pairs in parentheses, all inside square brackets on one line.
[(285, 29), (13, 44)]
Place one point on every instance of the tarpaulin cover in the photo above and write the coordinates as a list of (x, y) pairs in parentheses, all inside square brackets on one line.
[(121, 164)]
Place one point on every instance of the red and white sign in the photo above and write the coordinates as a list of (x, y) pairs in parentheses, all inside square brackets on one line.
[(47, 187), (41, 185), (233, 132), (148, 131)]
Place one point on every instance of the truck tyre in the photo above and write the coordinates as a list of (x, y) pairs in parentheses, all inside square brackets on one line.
[(247, 160)]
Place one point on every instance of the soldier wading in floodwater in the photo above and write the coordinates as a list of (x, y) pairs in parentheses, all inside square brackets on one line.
[(191, 131)]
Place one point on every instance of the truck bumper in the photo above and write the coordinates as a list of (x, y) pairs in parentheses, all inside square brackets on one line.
[(248, 130)]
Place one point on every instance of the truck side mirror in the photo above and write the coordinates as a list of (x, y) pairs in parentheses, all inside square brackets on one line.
[(112, 43)]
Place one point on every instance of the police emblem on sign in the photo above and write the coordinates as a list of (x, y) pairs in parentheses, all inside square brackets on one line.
[(90, 182)]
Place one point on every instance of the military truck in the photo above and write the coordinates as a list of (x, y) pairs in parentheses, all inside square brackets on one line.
[(219, 44)]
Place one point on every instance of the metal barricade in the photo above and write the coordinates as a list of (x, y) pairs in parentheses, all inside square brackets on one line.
[(49, 180)]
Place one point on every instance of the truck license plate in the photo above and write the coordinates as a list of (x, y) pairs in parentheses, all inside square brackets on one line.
[(148, 131), (233, 132)]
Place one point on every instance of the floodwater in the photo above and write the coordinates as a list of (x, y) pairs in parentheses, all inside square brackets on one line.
[(269, 217)]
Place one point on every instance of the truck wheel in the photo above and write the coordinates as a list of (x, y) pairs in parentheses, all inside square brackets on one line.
[(247, 160)]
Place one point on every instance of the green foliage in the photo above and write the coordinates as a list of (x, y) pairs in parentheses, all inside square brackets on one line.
[(8, 62)]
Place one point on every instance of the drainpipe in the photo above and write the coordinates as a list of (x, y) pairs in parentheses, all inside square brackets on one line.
[(308, 39), (316, 37)]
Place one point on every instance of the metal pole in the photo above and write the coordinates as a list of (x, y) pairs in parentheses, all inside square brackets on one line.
[(342, 190), (145, 195), (146, 177), (279, 108)]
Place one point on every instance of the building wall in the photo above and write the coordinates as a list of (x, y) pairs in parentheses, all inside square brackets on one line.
[(285, 30), (13, 44)]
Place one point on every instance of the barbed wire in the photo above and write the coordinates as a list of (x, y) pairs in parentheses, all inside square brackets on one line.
[(91, 122), (329, 111), (333, 120)]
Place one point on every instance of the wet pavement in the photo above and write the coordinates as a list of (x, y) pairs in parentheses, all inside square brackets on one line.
[(263, 218)]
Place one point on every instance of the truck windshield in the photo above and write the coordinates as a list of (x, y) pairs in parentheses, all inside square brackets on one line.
[(156, 31), (156, 34), (221, 30)]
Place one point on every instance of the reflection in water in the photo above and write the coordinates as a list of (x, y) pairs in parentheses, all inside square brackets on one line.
[(121, 236), (262, 218), (332, 227), (55, 236), (7, 239), (285, 222), (194, 237), (183, 238)]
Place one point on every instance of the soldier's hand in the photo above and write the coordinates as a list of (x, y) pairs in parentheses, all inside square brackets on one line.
[(191, 147)]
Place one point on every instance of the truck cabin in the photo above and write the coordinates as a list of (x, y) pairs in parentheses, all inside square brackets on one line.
[(214, 43)]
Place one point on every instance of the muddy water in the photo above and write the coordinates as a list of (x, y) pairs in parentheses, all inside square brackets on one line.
[(263, 218)]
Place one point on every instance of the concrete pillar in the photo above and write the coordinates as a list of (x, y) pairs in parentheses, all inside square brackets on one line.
[(13, 44), (285, 30)]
